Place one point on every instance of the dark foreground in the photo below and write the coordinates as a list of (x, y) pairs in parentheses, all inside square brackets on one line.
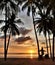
[(26, 61)]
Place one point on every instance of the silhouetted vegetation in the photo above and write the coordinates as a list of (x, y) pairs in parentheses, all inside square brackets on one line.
[(45, 23)]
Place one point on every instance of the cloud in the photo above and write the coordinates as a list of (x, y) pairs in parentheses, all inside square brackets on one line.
[(20, 40), (24, 31), (23, 39)]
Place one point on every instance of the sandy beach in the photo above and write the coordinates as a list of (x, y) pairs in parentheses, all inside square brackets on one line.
[(26, 61)]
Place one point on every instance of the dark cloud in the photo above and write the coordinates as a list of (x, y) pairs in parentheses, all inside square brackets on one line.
[(23, 39), (24, 31)]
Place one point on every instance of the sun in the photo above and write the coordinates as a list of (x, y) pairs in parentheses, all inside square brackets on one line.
[(31, 52)]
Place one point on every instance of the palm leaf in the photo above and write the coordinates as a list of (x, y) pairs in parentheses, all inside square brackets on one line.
[(16, 29), (1, 21), (28, 11), (48, 10), (13, 5), (20, 1), (2, 5), (45, 2), (24, 6), (4, 28), (37, 22), (13, 31)]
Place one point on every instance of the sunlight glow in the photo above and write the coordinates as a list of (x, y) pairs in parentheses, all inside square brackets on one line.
[(31, 56), (16, 36), (31, 53)]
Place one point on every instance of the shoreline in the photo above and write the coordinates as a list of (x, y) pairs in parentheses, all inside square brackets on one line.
[(26, 61)]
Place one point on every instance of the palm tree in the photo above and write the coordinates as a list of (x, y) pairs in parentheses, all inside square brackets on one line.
[(33, 13), (50, 43), (42, 27), (4, 4), (44, 22), (13, 7), (52, 26), (12, 28), (53, 31), (29, 4)]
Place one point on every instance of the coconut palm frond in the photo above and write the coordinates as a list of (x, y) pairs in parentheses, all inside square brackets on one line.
[(24, 6), (2, 5), (13, 32), (37, 22), (39, 29), (16, 29), (1, 21), (45, 2), (13, 5), (4, 28), (20, 1), (48, 9), (28, 12)]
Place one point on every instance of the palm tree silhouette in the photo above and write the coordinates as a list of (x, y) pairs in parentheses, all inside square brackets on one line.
[(12, 7), (52, 23), (43, 24), (53, 31), (29, 4), (11, 28)]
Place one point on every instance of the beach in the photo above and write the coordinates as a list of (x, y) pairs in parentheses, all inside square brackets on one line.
[(26, 61)]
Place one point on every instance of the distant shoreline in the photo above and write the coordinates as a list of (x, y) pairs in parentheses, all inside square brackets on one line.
[(26, 61), (19, 53)]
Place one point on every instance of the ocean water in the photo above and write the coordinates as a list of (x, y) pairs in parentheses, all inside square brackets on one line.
[(19, 55)]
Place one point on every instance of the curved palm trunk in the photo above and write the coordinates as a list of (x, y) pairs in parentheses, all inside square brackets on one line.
[(5, 46), (53, 48), (8, 44), (50, 45), (35, 33), (5, 33), (46, 44), (37, 41)]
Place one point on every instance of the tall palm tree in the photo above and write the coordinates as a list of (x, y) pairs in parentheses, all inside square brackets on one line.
[(11, 27), (53, 31), (33, 13), (3, 4), (29, 4), (52, 26), (50, 44), (13, 7), (42, 27), (44, 22)]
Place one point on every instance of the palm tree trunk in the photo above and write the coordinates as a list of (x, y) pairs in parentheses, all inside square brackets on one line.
[(8, 43), (46, 44), (50, 46), (35, 32), (37, 41), (5, 33), (5, 46), (53, 47)]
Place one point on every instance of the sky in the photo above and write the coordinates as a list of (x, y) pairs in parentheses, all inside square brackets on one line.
[(24, 43)]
